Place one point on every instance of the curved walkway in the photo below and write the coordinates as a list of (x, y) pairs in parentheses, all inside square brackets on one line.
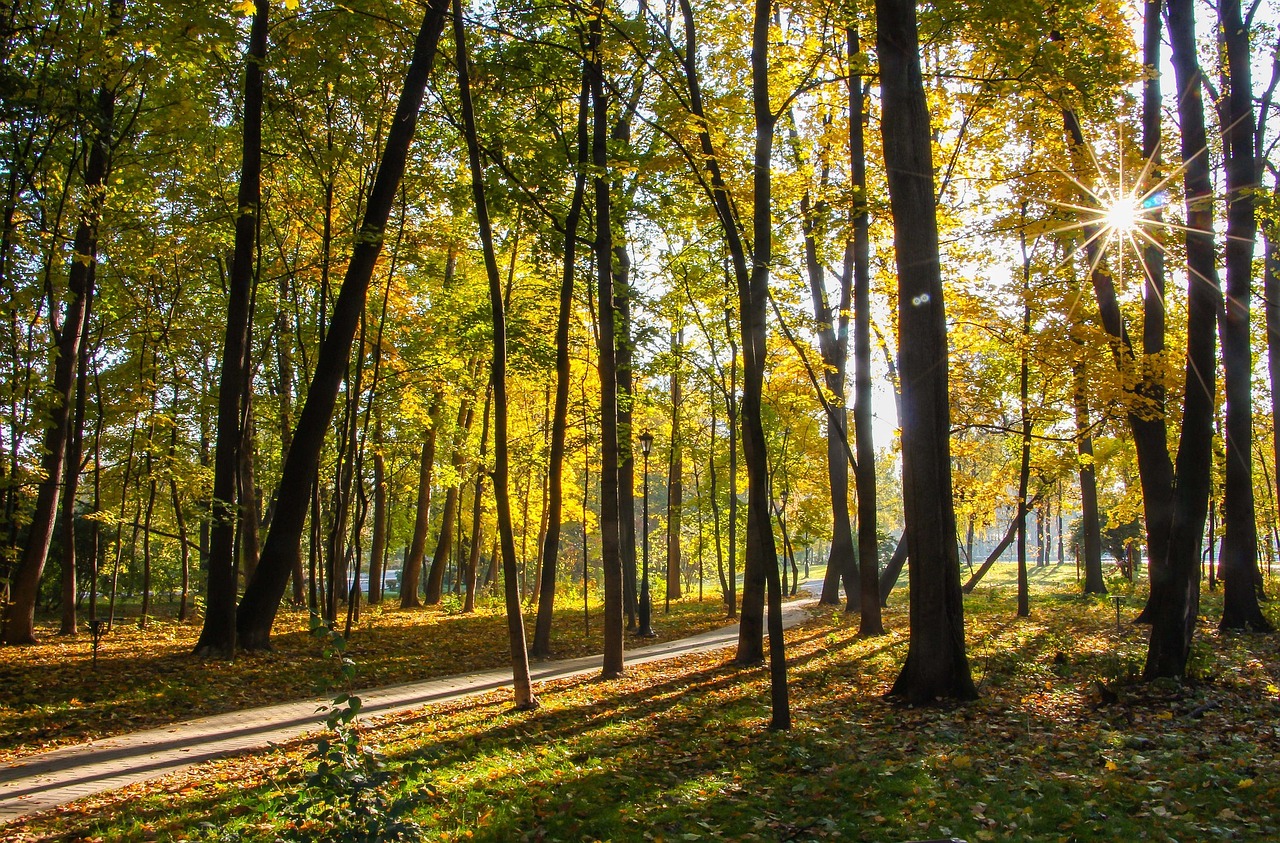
[(46, 780)]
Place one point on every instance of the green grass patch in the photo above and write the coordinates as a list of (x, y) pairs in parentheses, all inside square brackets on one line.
[(1063, 746)]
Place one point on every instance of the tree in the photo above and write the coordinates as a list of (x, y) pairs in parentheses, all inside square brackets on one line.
[(262, 596), (936, 664), (1239, 566), (218, 637), (525, 699), (19, 625)]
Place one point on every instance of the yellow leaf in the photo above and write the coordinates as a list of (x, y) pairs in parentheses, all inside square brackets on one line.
[(290, 5), (247, 8), (1165, 715), (1243, 783), (1111, 765)]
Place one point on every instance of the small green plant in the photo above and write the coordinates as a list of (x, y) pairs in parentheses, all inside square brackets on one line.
[(351, 794)]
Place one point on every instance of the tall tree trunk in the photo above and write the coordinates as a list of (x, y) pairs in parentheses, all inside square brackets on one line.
[(378, 542), (610, 517), (218, 635), (936, 664), (559, 420), (501, 492), (262, 597), (19, 622), (1175, 584), (858, 259), (449, 516), (1024, 381), (675, 479), (1239, 567), (762, 566)]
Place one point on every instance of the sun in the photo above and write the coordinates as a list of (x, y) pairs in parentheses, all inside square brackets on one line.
[(1122, 216), (1120, 210)]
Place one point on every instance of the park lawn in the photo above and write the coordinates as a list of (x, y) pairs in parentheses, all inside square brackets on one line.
[(1064, 745), (53, 695)]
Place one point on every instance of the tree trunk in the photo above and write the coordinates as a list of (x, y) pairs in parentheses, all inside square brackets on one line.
[(75, 451), (378, 542), (411, 574), (434, 588), (262, 597), (218, 636), (477, 505), (610, 526), (515, 621), (675, 480), (858, 259), (762, 566), (1090, 525), (559, 420), (1175, 584), (1024, 381), (936, 664), (1239, 567)]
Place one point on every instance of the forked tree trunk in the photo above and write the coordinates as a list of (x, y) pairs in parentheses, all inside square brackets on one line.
[(262, 597), (1175, 584)]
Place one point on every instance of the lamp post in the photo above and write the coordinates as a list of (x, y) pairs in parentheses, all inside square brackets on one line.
[(645, 608)]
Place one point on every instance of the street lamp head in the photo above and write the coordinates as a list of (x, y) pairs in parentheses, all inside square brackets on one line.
[(646, 443)]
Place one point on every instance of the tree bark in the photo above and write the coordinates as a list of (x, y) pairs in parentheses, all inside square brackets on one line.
[(515, 620), (936, 664), (262, 597), (762, 566), (675, 479)]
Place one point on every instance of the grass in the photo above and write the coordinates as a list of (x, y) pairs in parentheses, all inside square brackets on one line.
[(53, 695), (1064, 745)]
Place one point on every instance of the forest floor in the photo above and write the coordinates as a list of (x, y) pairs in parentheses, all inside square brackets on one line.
[(1065, 744), (54, 695)]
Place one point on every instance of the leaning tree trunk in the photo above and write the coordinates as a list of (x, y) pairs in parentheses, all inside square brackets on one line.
[(936, 664), (501, 481), (262, 597), (19, 622), (451, 512)]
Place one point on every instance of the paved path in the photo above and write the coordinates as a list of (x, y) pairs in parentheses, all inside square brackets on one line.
[(49, 779)]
